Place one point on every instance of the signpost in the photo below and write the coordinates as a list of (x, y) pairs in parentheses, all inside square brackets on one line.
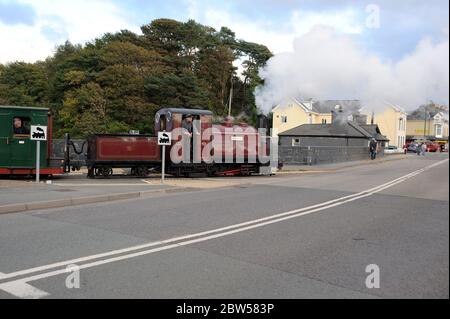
[(164, 139), (38, 134)]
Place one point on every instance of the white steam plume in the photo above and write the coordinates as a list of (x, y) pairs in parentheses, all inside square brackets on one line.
[(331, 66)]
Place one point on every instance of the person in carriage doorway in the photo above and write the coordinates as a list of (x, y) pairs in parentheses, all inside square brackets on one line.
[(373, 145), (187, 124), (189, 130), (19, 129)]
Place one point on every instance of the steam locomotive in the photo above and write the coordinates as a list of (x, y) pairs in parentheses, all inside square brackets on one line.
[(142, 154)]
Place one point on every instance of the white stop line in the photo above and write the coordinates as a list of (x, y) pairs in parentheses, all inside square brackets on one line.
[(20, 287)]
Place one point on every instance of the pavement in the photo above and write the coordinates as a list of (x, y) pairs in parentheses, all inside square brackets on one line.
[(309, 235), (69, 190), (341, 165)]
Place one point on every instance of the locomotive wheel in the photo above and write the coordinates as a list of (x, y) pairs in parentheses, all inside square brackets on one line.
[(103, 171), (143, 171), (140, 171), (107, 171)]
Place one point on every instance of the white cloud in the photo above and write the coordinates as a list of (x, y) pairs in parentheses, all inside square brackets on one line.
[(278, 37), (78, 21), (345, 21), (326, 64)]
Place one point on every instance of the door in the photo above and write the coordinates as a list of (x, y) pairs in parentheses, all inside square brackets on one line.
[(5, 137), (21, 145)]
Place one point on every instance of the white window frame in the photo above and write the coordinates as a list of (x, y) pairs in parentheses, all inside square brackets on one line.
[(284, 119), (436, 130), (295, 143)]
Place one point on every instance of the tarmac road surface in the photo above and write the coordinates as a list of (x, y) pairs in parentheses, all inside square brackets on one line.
[(290, 236)]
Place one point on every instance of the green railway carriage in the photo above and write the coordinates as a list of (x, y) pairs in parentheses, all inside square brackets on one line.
[(17, 150)]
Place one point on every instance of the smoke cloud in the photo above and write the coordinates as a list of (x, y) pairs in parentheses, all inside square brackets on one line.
[(327, 65)]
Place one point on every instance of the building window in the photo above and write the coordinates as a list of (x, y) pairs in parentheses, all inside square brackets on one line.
[(438, 130), (324, 121), (283, 119), (401, 124), (295, 142)]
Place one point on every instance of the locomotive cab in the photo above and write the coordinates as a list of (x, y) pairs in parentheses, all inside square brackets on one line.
[(17, 150), (171, 118)]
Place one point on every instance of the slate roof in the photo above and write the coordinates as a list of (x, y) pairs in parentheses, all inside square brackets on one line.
[(332, 130), (348, 129), (420, 115), (374, 130)]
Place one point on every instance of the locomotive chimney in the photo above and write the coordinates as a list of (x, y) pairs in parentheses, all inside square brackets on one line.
[(262, 122)]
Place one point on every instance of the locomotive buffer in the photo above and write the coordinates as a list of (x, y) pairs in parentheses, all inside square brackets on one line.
[(164, 139)]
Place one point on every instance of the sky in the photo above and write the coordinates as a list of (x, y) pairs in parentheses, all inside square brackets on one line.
[(30, 29), (387, 31)]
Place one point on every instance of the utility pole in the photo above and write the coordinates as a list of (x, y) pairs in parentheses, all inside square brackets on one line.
[(231, 96), (425, 121)]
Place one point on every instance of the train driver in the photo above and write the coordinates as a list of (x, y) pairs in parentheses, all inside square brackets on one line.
[(19, 128), (187, 124)]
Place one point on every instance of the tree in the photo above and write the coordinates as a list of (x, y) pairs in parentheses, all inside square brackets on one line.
[(24, 84), (117, 82)]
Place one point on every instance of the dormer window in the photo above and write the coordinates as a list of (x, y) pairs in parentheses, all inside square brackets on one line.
[(438, 118)]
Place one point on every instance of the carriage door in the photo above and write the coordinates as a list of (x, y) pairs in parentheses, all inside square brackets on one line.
[(5, 137), (20, 148)]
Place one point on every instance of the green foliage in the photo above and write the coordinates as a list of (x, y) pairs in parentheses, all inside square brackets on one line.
[(117, 82)]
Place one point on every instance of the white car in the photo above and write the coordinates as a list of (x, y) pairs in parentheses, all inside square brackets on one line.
[(392, 149)]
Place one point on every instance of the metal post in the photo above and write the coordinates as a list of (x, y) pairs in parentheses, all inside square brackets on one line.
[(231, 96), (425, 126), (163, 164), (38, 160)]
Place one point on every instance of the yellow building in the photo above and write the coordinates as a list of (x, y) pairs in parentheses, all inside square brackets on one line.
[(292, 112), (429, 125), (392, 122)]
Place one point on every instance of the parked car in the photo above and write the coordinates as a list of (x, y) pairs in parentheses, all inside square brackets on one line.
[(392, 149), (433, 147), (412, 147)]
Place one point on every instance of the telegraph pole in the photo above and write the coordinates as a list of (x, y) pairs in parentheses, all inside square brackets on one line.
[(231, 96)]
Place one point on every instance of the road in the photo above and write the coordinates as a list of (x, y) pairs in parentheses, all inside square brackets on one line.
[(288, 236)]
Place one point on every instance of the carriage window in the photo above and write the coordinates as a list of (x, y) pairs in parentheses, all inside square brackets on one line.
[(21, 126)]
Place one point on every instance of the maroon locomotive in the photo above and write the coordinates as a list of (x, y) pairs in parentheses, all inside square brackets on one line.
[(236, 148)]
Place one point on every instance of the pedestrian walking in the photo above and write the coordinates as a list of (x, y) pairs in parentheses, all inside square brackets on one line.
[(373, 145), (424, 148)]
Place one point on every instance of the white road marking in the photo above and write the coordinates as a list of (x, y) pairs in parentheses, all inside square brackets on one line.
[(22, 290), (204, 236), (103, 184)]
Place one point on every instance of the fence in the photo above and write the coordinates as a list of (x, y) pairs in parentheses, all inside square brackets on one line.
[(316, 155)]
